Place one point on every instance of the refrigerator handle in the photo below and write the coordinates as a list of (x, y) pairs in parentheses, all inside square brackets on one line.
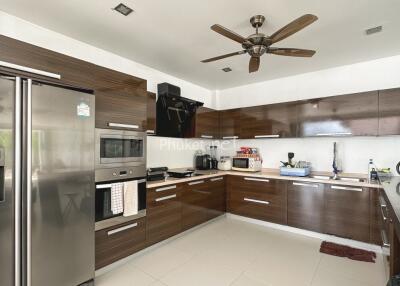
[(17, 181), (29, 183)]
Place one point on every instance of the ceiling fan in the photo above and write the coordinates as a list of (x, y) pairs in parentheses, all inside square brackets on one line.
[(258, 44)]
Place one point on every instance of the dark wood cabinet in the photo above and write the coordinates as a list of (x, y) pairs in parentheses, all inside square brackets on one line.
[(389, 112), (207, 123), (151, 113), (269, 121), (230, 123), (120, 98), (344, 115), (347, 212), (216, 204), (375, 217), (306, 205), (258, 198), (119, 241), (194, 201), (164, 217)]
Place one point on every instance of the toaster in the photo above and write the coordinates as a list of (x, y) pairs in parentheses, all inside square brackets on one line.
[(247, 164)]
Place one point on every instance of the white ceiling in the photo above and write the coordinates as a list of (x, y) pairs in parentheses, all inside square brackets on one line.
[(174, 36)]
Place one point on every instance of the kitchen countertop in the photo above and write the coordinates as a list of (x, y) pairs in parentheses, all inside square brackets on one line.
[(270, 174)]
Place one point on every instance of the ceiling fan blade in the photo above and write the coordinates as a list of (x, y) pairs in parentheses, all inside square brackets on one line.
[(293, 27), (291, 52), (223, 57), (228, 33), (254, 64)]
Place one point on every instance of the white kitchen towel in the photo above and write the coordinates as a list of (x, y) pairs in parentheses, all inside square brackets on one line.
[(130, 198), (117, 198)]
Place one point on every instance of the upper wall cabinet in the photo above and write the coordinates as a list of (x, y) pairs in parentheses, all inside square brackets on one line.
[(345, 115), (230, 123), (389, 112), (269, 121), (207, 123), (151, 113)]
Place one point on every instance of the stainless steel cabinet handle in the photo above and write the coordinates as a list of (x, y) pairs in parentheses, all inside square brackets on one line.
[(385, 241), (202, 192), (129, 226), (207, 136), (195, 183), (103, 186), (216, 179), (334, 134), (257, 180), (130, 126), (384, 217), (29, 70), (382, 202), (346, 189), (267, 136), (230, 137), (256, 201), (306, 185), (166, 188), (150, 131), (166, 198)]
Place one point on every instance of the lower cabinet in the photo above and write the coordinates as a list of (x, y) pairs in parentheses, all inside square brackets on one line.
[(259, 198), (346, 212), (306, 205), (120, 241), (202, 200), (164, 218), (376, 211)]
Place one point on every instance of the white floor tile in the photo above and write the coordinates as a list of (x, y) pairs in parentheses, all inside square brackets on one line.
[(244, 280), (126, 275)]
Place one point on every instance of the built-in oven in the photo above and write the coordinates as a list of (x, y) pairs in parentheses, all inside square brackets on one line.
[(106, 198), (120, 148)]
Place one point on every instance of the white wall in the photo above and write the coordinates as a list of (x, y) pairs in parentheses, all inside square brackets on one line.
[(353, 152), (372, 75), (25, 31)]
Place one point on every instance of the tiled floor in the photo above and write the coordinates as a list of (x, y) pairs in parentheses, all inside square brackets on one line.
[(232, 252)]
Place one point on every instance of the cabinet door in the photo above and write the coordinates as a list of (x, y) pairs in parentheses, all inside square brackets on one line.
[(269, 121), (207, 123), (151, 113), (344, 115), (347, 212), (216, 204), (194, 197), (122, 104), (230, 123), (375, 218), (258, 198), (306, 205), (164, 218), (120, 241), (389, 112)]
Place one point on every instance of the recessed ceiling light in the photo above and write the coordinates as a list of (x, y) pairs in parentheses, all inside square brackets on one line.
[(373, 30), (123, 9), (227, 69)]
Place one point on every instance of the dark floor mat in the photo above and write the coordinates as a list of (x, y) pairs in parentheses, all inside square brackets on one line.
[(347, 251)]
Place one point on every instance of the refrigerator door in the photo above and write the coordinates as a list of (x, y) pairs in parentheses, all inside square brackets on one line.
[(60, 197), (8, 90)]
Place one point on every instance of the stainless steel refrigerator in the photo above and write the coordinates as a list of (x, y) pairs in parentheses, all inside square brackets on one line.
[(46, 184)]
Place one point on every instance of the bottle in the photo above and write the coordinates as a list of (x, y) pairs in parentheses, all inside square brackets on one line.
[(370, 168)]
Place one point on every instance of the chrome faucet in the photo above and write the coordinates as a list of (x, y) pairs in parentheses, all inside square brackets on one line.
[(334, 164)]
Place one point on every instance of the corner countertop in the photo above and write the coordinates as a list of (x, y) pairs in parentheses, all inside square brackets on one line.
[(269, 174)]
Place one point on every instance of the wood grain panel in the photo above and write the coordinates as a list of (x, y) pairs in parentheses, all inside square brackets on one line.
[(306, 206), (151, 112), (113, 247), (389, 112), (194, 201), (164, 217), (216, 204), (207, 123), (347, 213), (120, 98), (230, 123), (375, 225)]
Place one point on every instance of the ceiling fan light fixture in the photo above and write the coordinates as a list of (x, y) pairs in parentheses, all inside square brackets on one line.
[(123, 9)]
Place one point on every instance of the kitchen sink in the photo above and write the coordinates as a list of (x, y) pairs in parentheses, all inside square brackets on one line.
[(348, 179)]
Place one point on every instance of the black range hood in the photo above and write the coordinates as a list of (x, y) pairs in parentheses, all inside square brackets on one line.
[(175, 114)]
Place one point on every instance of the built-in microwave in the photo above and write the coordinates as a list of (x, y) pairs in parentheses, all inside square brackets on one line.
[(120, 148)]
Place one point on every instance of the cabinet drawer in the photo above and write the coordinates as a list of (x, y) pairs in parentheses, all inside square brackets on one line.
[(194, 199), (257, 205), (163, 213), (255, 184), (120, 241)]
